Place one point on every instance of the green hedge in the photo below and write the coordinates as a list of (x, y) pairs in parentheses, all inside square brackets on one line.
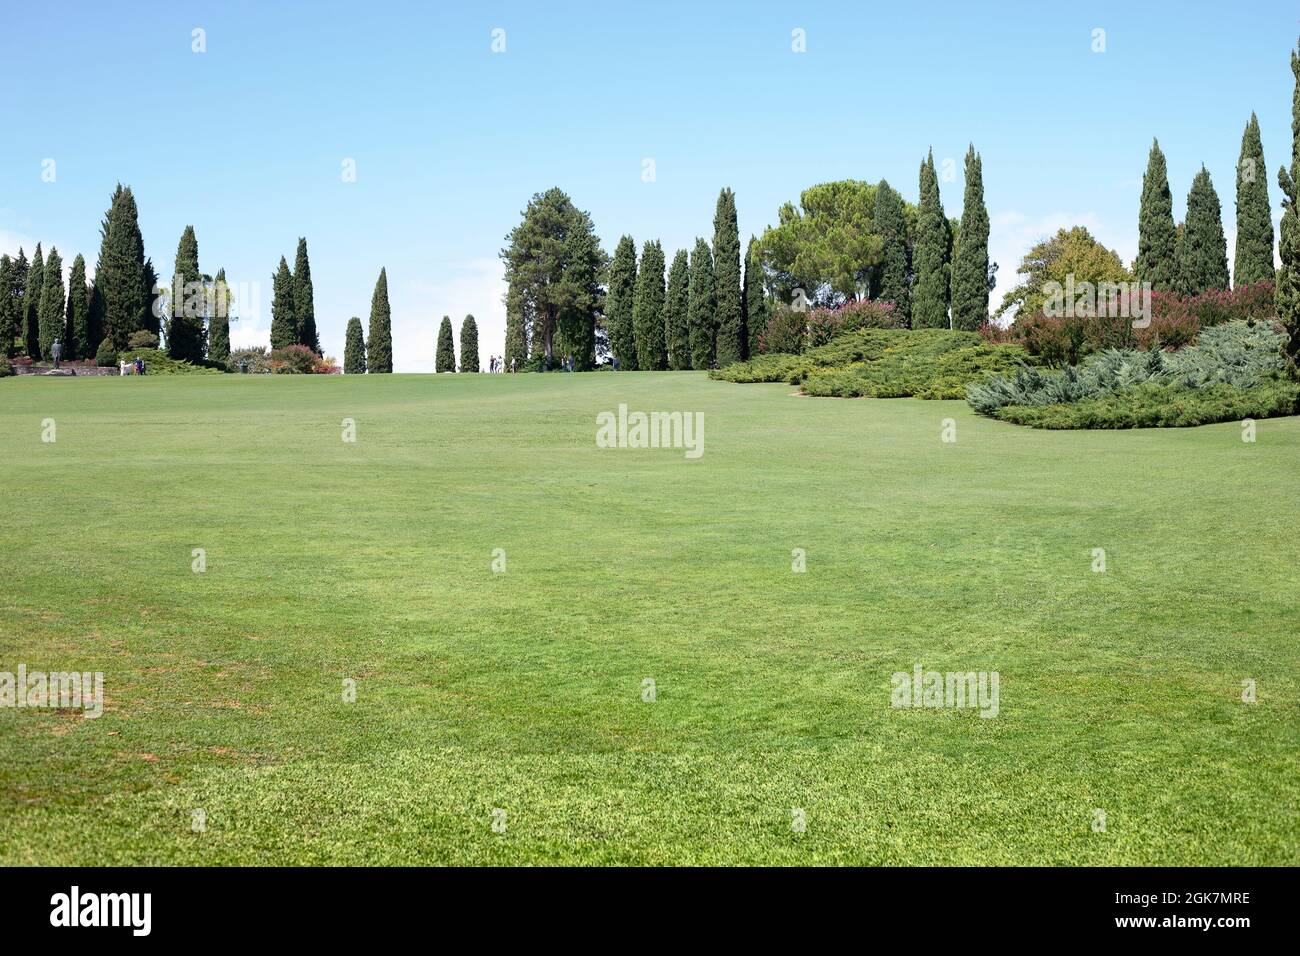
[(157, 362)]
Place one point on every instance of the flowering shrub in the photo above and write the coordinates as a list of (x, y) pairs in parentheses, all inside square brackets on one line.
[(293, 360), (326, 366), (784, 332), (792, 331)]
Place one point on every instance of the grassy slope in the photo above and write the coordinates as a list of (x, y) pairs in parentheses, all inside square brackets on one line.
[(522, 690)]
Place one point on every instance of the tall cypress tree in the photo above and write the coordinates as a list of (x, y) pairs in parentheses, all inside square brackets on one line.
[(50, 320), (219, 320), (729, 316), (933, 237), (516, 347), (77, 343), (1287, 295), (445, 359), (379, 343), (8, 298), (469, 361), (1156, 261), (757, 312), (970, 258), (185, 333), (354, 349), (895, 257), (304, 300), (284, 328), (1253, 258), (620, 304), (1202, 249), (648, 309), (702, 305), (32, 305), (677, 299), (122, 298)]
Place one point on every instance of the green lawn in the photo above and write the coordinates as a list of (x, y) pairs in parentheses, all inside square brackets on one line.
[(523, 690)]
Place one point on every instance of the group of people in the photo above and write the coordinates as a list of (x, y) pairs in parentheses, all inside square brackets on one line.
[(135, 367), (497, 363)]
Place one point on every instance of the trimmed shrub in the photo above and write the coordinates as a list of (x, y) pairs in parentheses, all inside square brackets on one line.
[(106, 354), (143, 339), (1155, 405), (157, 362)]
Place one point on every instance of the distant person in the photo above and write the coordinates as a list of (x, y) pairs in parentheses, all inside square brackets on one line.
[(512, 365), (614, 362), (139, 365)]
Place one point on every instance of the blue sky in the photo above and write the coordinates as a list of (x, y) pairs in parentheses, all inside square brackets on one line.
[(247, 140)]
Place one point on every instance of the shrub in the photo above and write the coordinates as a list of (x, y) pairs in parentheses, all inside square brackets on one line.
[(106, 354), (157, 362), (143, 339), (257, 359), (293, 360), (6, 367), (784, 332), (1156, 405), (326, 366)]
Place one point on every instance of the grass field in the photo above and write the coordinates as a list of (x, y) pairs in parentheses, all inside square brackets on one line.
[(522, 690)]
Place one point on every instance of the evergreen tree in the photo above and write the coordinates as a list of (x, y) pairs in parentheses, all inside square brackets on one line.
[(933, 238), (676, 312), (77, 343), (648, 310), (445, 360), (516, 348), (729, 308), (219, 320), (50, 316), (1287, 295), (304, 300), (620, 304), (469, 361), (1253, 259), (701, 306), (354, 349), (32, 305), (379, 343), (284, 328), (185, 332), (970, 259), (13, 278), (1202, 249), (894, 282), (1156, 261), (122, 297), (757, 312)]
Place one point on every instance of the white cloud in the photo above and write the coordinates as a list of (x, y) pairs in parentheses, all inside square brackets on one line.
[(475, 287)]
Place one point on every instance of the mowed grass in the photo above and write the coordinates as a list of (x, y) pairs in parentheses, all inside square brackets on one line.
[(522, 690)]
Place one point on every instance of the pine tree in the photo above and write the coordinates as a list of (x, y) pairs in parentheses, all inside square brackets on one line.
[(933, 237), (379, 343), (284, 328), (516, 347), (729, 315), (677, 335), (894, 282), (304, 300), (77, 343), (1156, 261), (1253, 259), (219, 320), (445, 360), (469, 361), (354, 349), (50, 317), (620, 304), (185, 333), (648, 310), (970, 259), (122, 296), (701, 306), (32, 305), (1202, 249), (1287, 294)]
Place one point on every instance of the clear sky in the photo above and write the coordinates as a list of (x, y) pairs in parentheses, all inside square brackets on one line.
[(247, 140)]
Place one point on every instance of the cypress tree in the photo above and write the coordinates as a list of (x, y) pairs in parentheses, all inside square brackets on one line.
[(1253, 258), (620, 304), (77, 343), (701, 306), (469, 346), (729, 314), (1156, 261), (755, 298), (516, 348), (933, 238), (51, 316), (445, 359), (185, 334), (1287, 294), (7, 330), (1202, 249), (648, 310), (219, 320), (970, 258), (354, 349), (379, 343), (677, 336), (32, 305), (123, 295), (284, 328), (895, 256), (304, 300)]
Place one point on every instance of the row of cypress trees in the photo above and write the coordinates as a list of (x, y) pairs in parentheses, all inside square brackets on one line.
[(445, 355), (950, 268), (293, 305)]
